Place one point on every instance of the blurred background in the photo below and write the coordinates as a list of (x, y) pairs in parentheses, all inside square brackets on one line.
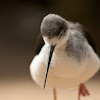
[(19, 27)]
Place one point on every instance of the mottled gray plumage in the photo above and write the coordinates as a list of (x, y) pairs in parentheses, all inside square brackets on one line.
[(75, 46), (52, 25)]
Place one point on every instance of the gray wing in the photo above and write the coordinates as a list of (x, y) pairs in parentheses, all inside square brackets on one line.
[(86, 34)]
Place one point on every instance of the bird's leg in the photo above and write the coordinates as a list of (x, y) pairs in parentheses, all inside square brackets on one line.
[(82, 91), (54, 93)]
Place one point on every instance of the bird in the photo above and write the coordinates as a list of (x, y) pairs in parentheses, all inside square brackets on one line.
[(66, 55)]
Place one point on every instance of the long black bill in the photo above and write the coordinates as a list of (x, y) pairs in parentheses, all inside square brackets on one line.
[(48, 64)]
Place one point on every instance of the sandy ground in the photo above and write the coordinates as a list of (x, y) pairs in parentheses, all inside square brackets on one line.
[(28, 90)]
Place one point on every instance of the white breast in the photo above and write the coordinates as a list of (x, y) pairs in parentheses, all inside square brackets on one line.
[(64, 72)]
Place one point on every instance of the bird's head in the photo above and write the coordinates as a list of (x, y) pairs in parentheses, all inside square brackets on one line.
[(53, 30)]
